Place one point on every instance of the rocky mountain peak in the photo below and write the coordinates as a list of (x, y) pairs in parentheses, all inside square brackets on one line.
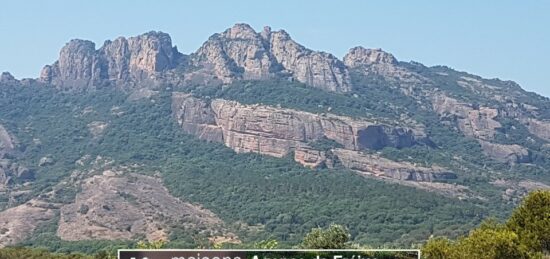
[(6, 77), (119, 62), (266, 33), (242, 53), (241, 31), (359, 56)]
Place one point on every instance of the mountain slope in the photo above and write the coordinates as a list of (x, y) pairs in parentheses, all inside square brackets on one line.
[(270, 137)]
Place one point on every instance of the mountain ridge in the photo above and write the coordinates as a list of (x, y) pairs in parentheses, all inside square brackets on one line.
[(260, 106)]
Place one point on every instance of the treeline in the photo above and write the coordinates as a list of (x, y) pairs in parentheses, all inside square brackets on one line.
[(526, 234)]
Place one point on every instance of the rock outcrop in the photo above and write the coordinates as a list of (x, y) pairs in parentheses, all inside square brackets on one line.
[(378, 63), (11, 171), (278, 132), (238, 52), (18, 223), (122, 62), (477, 122), (121, 207), (359, 56), (242, 53), (506, 153), (382, 167), (7, 142), (318, 69), (8, 79), (539, 128)]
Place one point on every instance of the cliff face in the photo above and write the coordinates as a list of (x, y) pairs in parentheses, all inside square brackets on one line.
[(265, 129), (382, 167), (122, 62), (277, 132)]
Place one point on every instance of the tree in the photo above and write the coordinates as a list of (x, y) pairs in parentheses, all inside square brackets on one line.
[(334, 237), (531, 221), (486, 243), (437, 248), (525, 235), (157, 244), (267, 244)]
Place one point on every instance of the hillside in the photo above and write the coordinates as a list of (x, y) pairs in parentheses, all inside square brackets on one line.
[(255, 136)]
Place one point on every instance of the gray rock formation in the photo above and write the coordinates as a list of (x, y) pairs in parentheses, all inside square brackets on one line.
[(242, 53), (122, 62), (359, 56), (318, 69), (506, 153), (382, 167), (7, 78), (378, 63), (477, 122), (238, 52), (538, 128), (276, 131)]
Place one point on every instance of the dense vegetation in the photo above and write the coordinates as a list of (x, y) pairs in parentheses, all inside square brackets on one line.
[(259, 197), (526, 234), (380, 100)]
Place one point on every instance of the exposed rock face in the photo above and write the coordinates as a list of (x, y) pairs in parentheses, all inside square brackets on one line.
[(196, 117), (311, 158), (376, 62), (121, 62), (11, 171), (474, 122), (378, 166), (506, 153), (7, 78), (18, 223), (359, 56), (6, 141), (242, 53), (276, 131), (238, 52), (516, 190), (114, 207), (539, 128), (318, 69), (46, 161), (97, 128), (78, 65)]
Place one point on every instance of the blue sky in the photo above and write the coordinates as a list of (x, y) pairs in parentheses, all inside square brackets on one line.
[(504, 39)]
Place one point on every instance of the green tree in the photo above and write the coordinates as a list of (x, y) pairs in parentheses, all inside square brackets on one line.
[(334, 237), (490, 244), (267, 244), (437, 248), (525, 235), (531, 221), (158, 244)]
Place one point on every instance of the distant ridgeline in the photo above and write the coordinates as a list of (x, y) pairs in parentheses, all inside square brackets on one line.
[(254, 137)]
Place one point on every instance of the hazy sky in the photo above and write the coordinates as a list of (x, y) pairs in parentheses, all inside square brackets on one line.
[(504, 39)]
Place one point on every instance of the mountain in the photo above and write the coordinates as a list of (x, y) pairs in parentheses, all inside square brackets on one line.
[(255, 136)]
